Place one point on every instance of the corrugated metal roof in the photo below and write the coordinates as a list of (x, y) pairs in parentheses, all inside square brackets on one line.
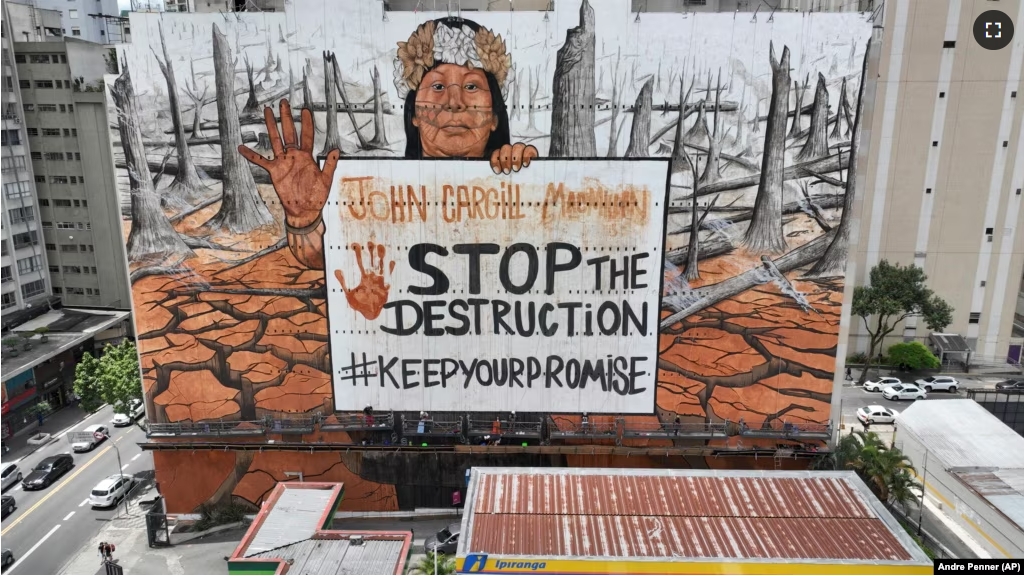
[(321, 556), (294, 518), (950, 342), (962, 434), (1004, 489), (698, 514)]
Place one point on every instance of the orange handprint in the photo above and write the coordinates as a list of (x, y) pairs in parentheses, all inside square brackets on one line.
[(369, 297)]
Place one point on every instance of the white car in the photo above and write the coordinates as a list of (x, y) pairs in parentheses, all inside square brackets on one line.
[(110, 490), (88, 439), (136, 410), (947, 383), (904, 392), (11, 475), (869, 415), (881, 384)]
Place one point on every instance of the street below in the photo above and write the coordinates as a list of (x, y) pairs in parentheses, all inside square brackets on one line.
[(51, 524)]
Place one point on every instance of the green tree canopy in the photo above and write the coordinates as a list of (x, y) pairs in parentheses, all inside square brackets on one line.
[(894, 294), (113, 378), (912, 356), (885, 469)]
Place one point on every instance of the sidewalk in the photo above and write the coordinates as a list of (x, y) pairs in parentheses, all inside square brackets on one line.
[(56, 424)]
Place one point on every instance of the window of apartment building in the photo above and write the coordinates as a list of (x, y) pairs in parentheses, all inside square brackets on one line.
[(58, 179), (8, 299), (39, 58), (44, 202), (54, 269), (8, 81), (10, 137), (63, 59), (30, 264), (54, 156), (18, 215), (74, 180), (47, 107), (32, 131), (19, 58), (47, 226), (24, 84), (36, 155), (93, 271), (51, 131), (73, 14), (51, 246), (76, 31), (5, 274), (74, 290), (33, 288), (83, 203), (63, 108), (65, 225), (95, 291), (62, 203), (67, 132), (24, 239), (13, 162), (28, 107), (74, 132), (78, 155), (72, 270), (15, 190), (89, 246), (58, 290), (69, 247), (44, 83), (40, 179)]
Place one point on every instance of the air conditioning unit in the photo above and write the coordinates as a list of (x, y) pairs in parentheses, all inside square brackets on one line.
[(355, 540)]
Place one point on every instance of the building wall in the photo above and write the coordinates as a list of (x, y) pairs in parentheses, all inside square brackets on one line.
[(1000, 537), (72, 169), (79, 20), (940, 123)]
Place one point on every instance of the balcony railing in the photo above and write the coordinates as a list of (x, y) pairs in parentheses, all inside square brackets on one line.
[(430, 427), (698, 430), (377, 422), (289, 425), (590, 430), (507, 429), (241, 428)]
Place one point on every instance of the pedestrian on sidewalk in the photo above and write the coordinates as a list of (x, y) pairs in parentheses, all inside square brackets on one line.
[(849, 373)]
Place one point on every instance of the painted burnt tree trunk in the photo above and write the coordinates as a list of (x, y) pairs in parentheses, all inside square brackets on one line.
[(795, 129), (572, 116), (693, 244), (640, 131), (613, 127), (765, 231), (152, 240), (380, 139), (333, 141), (187, 188), (837, 133), (307, 94), (833, 262), (816, 145), (712, 170), (513, 104), (679, 160), (339, 84), (534, 86), (242, 208), (199, 101), (252, 105)]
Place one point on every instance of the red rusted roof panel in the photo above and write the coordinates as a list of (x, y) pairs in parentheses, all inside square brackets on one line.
[(636, 515)]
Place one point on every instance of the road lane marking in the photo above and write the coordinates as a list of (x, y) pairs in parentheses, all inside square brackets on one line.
[(119, 439), (70, 514), (53, 491), (84, 502), (136, 457), (123, 467), (32, 549)]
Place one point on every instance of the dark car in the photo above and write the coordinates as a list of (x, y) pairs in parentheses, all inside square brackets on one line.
[(48, 471), (8, 558), (7, 505), (446, 541), (1010, 385)]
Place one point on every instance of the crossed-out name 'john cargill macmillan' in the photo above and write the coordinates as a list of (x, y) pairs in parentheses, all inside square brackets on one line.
[(454, 78)]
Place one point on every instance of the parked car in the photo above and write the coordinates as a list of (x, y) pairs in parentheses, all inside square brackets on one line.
[(881, 384), (446, 541), (904, 392), (869, 415), (947, 383), (88, 439), (110, 490), (48, 471), (135, 411), (7, 505), (11, 475), (8, 559), (1010, 385)]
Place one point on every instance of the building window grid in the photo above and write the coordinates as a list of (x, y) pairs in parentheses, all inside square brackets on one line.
[(33, 288), (7, 300)]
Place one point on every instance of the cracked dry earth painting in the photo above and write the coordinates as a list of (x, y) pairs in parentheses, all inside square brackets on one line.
[(761, 123)]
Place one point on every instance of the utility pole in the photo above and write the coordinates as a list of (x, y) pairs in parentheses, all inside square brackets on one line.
[(924, 493), (120, 468)]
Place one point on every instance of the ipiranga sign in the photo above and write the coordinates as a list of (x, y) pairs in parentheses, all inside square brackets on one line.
[(452, 288)]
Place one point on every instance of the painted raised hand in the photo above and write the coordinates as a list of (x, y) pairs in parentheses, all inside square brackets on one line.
[(298, 180), (370, 296), (512, 157)]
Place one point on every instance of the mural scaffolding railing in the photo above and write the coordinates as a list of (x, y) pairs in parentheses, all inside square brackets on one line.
[(289, 425), (697, 430), (590, 430), (502, 428), (430, 427), (233, 428), (377, 422), (790, 430)]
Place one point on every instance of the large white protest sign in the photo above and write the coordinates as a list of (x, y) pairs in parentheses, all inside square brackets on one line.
[(452, 288)]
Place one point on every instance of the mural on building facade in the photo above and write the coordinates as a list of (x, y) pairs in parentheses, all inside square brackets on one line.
[(222, 196)]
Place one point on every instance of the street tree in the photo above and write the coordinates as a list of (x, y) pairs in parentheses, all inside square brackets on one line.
[(894, 294), (87, 386), (912, 356), (118, 378)]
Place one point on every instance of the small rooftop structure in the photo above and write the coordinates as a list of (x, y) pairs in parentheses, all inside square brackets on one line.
[(950, 346), (65, 329), (581, 521), (292, 535)]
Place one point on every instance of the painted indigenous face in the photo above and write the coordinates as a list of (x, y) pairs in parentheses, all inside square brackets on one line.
[(454, 112)]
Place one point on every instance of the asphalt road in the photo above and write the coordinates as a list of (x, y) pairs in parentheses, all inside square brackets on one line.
[(50, 525), (854, 398)]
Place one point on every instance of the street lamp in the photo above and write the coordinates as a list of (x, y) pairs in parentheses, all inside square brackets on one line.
[(119, 467)]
